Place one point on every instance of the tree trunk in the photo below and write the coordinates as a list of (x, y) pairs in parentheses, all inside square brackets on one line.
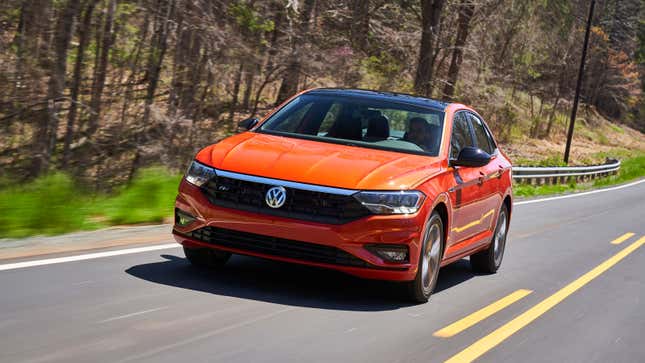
[(193, 71), (289, 85), (291, 76), (83, 38), (430, 22), (19, 42), (535, 120), (29, 40), (48, 128), (176, 83), (463, 22), (156, 56), (200, 106), (155, 60), (248, 86), (552, 116), (270, 68), (134, 69), (268, 78), (236, 90), (28, 44), (278, 20), (359, 25), (97, 91)]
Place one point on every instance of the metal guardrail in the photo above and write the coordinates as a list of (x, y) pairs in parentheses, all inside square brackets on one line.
[(560, 175)]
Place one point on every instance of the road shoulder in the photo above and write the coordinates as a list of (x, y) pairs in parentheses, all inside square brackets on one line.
[(130, 236)]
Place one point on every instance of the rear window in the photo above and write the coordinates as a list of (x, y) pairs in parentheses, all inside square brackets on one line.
[(360, 121)]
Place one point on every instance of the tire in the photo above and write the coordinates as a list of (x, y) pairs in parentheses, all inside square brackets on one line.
[(490, 259), (206, 257), (420, 289)]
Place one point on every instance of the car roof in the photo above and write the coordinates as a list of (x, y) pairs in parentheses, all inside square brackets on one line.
[(381, 95)]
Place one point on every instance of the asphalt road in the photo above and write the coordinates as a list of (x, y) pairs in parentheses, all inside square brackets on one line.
[(584, 302)]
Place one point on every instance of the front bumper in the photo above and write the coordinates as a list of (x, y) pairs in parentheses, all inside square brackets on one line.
[(348, 239)]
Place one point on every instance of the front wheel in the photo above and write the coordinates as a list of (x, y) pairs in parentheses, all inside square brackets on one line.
[(420, 289), (489, 260), (206, 257)]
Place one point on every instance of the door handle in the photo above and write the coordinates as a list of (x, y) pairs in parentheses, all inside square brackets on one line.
[(500, 172), (481, 177)]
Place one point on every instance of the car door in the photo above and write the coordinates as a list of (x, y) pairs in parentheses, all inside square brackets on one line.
[(471, 196), (492, 172)]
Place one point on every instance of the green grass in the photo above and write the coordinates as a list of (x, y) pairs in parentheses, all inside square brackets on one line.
[(616, 128), (525, 190), (630, 169), (54, 204), (149, 199), (49, 205), (554, 159)]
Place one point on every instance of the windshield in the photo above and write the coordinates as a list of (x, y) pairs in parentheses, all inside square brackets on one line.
[(360, 121)]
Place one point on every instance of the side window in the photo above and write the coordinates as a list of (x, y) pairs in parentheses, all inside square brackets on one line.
[(460, 135), (483, 140)]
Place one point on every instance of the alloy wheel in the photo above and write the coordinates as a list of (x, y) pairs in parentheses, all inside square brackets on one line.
[(431, 255)]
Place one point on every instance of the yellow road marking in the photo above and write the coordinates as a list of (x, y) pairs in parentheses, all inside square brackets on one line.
[(475, 222), (490, 341), (622, 238), (481, 314)]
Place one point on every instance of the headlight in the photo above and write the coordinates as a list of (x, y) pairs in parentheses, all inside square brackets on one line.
[(403, 202), (198, 174)]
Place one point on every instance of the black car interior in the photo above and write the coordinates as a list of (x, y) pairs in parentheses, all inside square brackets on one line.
[(347, 120)]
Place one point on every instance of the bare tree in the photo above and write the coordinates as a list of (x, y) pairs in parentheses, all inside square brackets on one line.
[(101, 71), (48, 127), (430, 22), (83, 36), (298, 34), (466, 11)]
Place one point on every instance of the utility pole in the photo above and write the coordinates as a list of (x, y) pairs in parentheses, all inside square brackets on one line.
[(578, 85)]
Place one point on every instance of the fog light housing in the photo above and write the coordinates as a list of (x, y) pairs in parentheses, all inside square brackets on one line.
[(390, 253), (183, 218)]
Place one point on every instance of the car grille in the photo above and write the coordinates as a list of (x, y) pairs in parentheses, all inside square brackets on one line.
[(300, 204), (274, 246)]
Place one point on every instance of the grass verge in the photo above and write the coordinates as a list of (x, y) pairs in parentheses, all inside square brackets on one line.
[(54, 204)]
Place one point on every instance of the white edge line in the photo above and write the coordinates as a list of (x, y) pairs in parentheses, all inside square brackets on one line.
[(88, 256), (579, 194), (132, 314)]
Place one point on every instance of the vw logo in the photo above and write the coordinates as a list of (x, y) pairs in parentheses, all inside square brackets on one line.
[(275, 197)]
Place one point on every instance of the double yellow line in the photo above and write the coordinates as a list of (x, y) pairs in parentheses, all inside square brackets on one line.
[(493, 339)]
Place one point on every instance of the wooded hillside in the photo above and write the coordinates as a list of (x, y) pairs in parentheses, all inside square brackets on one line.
[(101, 88)]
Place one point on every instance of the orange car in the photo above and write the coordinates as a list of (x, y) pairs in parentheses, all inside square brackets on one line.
[(378, 185)]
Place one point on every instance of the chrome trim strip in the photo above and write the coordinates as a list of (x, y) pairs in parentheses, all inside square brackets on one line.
[(285, 183)]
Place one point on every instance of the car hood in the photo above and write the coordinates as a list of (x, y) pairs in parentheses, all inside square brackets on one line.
[(321, 163)]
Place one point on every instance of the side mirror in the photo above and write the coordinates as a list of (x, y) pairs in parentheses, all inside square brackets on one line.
[(248, 123), (472, 157)]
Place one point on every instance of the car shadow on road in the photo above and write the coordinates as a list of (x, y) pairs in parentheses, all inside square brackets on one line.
[(289, 284)]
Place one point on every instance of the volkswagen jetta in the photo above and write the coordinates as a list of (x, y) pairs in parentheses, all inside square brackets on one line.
[(378, 185)]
